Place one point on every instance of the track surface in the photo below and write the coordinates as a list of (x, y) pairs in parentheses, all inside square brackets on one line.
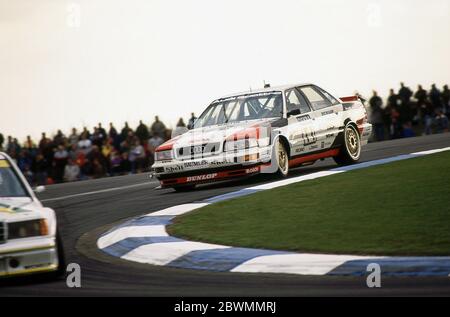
[(92, 207)]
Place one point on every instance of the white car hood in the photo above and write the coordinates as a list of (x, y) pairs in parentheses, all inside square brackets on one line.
[(215, 133), (19, 208)]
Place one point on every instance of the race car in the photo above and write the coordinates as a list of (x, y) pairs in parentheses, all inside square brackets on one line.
[(29, 238), (270, 130)]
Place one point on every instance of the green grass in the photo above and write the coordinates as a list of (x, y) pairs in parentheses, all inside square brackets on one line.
[(401, 208)]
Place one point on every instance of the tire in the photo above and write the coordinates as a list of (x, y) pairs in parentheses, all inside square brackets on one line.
[(282, 159), (184, 188), (61, 270), (350, 152)]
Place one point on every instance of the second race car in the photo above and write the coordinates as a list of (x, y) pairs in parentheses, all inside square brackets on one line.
[(266, 131)]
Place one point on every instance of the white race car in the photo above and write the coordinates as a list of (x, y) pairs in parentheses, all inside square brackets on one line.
[(29, 240), (266, 131)]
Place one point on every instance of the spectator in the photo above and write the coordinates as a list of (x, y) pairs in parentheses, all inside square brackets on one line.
[(73, 137), (137, 156), (86, 132), (29, 144), (112, 131), (59, 162), (142, 132), (85, 145), (71, 171), (59, 138), (427, 115), (191, 122), (158, 128), (435, 97), (40, 167), (445, 101), (420, 95), (181, 123), (392, 99), (153, 143), (376, 115), (115, 162), (2, 140), (125, 131), (101, 133), (441, 122), (125, 165), (404, 94)]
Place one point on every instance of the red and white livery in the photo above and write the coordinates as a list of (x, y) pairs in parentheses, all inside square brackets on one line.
[(266, 131)]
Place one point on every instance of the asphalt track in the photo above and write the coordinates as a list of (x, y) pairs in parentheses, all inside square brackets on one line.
[(87, 208)]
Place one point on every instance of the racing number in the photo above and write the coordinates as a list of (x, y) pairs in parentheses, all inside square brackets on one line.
[(309, 137)]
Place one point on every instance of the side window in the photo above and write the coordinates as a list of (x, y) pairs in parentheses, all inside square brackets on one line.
[(315, 98), (295, 100), (328, 96)]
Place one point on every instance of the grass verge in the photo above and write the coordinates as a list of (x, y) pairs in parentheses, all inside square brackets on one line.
[(400, 208)]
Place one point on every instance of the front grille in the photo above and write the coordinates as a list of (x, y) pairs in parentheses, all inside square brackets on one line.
[(3, 232), (197, 151)]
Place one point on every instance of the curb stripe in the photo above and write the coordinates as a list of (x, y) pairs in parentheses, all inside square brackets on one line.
[(145, 240)]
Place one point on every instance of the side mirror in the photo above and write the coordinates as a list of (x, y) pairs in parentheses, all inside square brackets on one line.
[(294, 112), (39, 189)]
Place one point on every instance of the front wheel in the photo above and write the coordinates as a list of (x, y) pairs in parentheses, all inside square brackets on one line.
[(282, 158), (350, 151)]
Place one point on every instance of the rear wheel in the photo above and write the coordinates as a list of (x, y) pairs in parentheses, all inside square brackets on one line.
[(282, 158), (184, 188), (350, 151)]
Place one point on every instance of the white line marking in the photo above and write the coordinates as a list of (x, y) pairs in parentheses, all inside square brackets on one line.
[(96, 192), (306, 264), (178, 210), (131, 232), (163, 253)]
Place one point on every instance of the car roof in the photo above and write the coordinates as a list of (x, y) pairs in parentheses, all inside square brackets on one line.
[(281, 88)]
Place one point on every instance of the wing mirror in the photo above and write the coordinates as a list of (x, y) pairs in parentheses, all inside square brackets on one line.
[(294, 112), (39, 189)]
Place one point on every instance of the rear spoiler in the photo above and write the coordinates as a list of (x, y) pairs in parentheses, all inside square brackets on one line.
[(349, 98), (352, 99)]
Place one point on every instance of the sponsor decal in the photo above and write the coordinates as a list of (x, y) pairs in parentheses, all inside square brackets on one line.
[(175, 168), (301, 149), (322, 144), (312, 147), (4, 164), (6, 210), (327, 112), (303, 118), (195, 163), (252, 170), (329, 135), (309, 138), (201, 177), (216, 163)]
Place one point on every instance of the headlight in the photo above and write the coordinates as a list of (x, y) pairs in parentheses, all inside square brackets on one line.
[(163, 155), (30, 228), (240, 144)]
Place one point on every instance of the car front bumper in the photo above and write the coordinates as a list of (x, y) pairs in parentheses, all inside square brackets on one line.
[(212, 168), (29, 255)]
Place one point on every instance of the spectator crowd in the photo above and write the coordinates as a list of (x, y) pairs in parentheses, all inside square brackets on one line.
[(88, 154), (407, 113), (100, 152)]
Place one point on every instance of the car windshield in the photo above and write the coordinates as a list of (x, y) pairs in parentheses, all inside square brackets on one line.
[(242, 108), (10, 184)]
